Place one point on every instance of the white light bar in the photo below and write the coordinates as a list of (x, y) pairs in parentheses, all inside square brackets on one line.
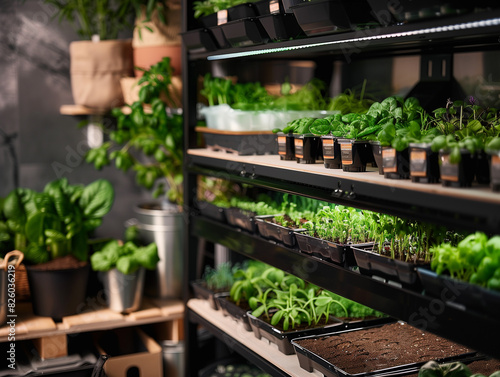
[(432, 30)]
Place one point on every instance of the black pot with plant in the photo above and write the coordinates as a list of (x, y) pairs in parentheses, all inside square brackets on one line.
[(53, 229), (493, 149)]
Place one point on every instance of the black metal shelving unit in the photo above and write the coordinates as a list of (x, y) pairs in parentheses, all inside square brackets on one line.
[(474, 209)]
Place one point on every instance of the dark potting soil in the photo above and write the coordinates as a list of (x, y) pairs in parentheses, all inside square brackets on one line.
[(381, 347), (67, 262)]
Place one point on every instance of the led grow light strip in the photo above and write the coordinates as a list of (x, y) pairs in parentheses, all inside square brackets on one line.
[(432, 30)]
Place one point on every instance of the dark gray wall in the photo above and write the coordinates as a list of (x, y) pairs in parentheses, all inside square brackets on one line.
[(34, 72)]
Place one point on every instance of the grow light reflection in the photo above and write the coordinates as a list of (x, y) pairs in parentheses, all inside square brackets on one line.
[(432, 30)]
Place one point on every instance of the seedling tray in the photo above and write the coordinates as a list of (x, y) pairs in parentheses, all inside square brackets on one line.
[(393, 270), (276, 232), (471, 296), (262, 329), (230, 309), (309, 360), (240, 142), (241, 219), (203, 293), (211, 210)]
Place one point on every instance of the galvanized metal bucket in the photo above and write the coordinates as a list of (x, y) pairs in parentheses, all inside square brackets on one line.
[(164, 226), (123, 292)]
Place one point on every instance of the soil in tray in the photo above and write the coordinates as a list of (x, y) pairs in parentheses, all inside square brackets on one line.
[(381, 347)]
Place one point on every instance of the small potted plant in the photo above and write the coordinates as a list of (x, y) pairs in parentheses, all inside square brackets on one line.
[(52, 228), (122, 270), (215, 280), (493, 149)]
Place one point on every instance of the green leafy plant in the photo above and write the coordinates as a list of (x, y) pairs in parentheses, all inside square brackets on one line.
[(57, 221), (126, 258), (147, 139), (476, 259), (220, 277), (350, 102)]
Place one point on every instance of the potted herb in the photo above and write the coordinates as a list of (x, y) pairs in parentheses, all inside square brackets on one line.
[(53, 229), (214, 280), (148, 140), (98, 24), (122, 268)]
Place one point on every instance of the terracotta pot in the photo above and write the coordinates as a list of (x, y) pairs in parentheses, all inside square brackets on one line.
[(96, 69), (146, 56)]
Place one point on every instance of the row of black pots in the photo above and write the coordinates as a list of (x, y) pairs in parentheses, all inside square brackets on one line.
[(417, 162), (277, 20)]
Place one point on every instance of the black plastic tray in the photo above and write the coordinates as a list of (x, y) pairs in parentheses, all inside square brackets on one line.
[(280, 26), (211, 210), (276, 232), (203, 293), (241, 219), (373, 264), (230, 309), (309, 360), (235, 13), (471, 296), (262, 329)]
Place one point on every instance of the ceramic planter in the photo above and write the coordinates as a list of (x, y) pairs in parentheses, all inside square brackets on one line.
[(57, 293), (286, 146), (355, 154), (241, 219), (472, 296), (230, 309), (424, 163), (308, 149), (377, 155), (282, 339), (331, 152), (394, 270), (275, 232), (456, 175), (396, 164)]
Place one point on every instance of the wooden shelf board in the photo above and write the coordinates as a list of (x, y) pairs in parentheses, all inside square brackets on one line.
[(81, 110), (29, 326), (478, 193), (262, 347)]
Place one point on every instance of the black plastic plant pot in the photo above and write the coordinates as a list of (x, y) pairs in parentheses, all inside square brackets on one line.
[(202, 292), (280, 26), (219, 37), (393, 270), (355, 154), (331, 152), (235, 13), (456, 174), (424, 163), (286, 146), (396, 163), (471, 296), (275, 232), (377, 155), (199, 40), (265, 7), (241, 218), (482, 170), (308, 149), (230, 309), (57, 293), (211, 210), (246, 32), (495, 171), (263, 329), (329, 16)]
